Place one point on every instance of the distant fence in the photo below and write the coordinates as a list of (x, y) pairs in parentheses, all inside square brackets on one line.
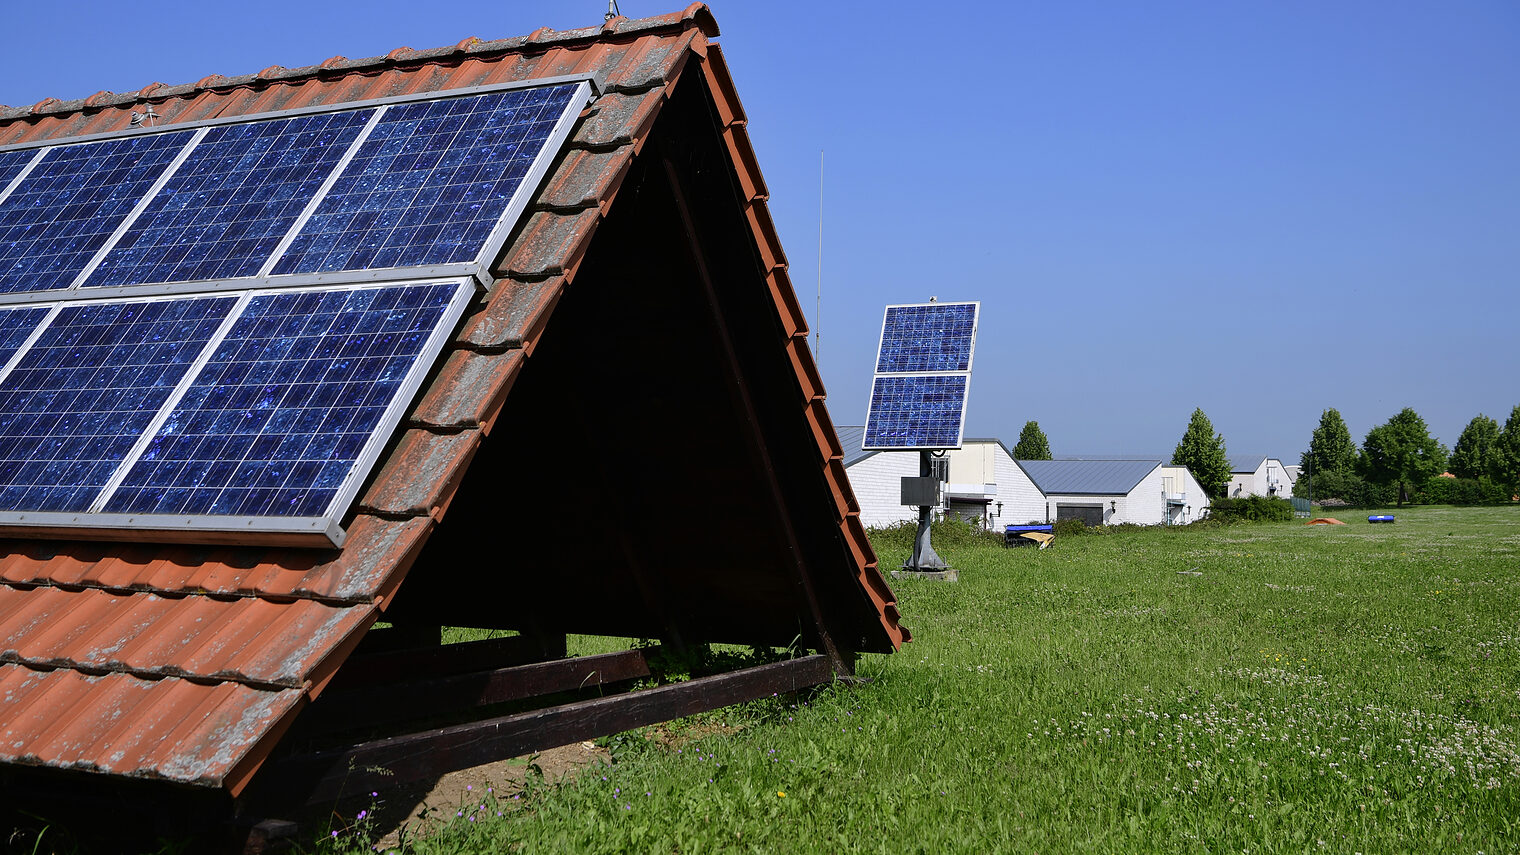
[(1302, 508)]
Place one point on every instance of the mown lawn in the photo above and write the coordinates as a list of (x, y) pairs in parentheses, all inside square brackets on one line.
[(1259, 688)]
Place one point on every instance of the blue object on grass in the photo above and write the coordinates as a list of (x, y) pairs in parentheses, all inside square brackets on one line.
[(1380, 518)]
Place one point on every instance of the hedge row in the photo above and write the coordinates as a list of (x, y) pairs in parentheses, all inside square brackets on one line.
[(1356, 492)]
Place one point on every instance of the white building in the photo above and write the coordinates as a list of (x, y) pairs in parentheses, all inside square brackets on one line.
[(1108, 492), (984, 483), (1258, 475)]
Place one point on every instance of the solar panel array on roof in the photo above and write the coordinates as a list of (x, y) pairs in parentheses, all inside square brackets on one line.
[(430, 184), (226, 208), (74, 404), (64, 209), (923, 374), (305, 271)]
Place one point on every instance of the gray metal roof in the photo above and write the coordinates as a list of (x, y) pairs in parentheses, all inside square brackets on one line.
[(851, 437), (1087, 477), (1246, 463)]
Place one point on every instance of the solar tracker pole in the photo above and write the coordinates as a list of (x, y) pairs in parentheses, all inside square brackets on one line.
[(924, 559)]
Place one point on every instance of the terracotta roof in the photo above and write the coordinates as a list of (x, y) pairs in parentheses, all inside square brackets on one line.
[(186, 662)]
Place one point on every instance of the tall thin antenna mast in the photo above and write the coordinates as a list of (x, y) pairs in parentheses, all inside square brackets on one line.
[(818, 312)]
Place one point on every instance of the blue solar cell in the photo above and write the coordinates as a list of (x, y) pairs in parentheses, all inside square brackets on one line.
[(430, 183), (82, 394), (15, 325), (933, 337), (62, 213), (922, 411), (11, 164), (277, 418), (229, 205)]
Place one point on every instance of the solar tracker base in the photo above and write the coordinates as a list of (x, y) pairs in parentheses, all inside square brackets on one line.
[(949, 574)]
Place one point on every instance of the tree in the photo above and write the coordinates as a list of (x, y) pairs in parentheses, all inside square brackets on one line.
[(1508, 451), (1032, 444), (1477, 452), (1331, 449), (1401, 452), (1202, 452)]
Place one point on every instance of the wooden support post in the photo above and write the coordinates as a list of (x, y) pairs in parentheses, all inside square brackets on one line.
[(381, 668), (325, 777), (406, 699)]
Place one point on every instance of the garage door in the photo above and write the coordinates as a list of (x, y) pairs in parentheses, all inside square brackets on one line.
[(1090, 514)]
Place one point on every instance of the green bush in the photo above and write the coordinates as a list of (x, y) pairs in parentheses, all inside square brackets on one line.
[(1461, 491), (1063, 528), (951, 531), (1251, 509), (1350, 488)]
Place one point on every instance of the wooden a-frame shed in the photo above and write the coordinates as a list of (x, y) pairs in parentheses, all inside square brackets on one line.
[(641, 301)]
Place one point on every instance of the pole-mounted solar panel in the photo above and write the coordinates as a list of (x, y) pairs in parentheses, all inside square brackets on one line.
[(918, 400)]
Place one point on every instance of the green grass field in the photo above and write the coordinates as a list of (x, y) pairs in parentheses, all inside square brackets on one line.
[(1257, 688)]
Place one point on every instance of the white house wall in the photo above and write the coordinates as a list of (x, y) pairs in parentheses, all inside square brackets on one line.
[(1194, 500), (877, 482), (1022, 500), (980, 469), (1145, 504), (1270, 472)]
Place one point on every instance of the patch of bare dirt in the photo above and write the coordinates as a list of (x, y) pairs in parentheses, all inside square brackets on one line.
[(409, 813)]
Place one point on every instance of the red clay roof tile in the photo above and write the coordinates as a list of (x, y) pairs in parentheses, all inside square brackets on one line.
[(549, 244), (585, 179), (421, 474), (172, 729), (149, 635), (469, 390), (514, 315)]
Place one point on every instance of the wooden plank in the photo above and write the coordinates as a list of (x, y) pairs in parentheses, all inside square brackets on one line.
[(323, 778), (365, 669), (406, 699)]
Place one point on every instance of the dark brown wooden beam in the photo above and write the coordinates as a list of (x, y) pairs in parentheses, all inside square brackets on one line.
[(323, 778), (378, 668), (405, 699)]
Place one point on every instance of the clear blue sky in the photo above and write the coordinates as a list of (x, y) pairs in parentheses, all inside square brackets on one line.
[(1258, 208)]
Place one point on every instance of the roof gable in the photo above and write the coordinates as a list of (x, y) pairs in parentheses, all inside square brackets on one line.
[(244, 636), (1088, 477), (1246, 463)]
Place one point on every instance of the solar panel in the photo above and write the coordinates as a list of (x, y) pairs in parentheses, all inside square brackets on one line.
[(11, 164), (75, 403), (227, 207), (16, 326), (275, 422), (923, 374), (917, 411), (930, 337), (431, 183), (53, 222)]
